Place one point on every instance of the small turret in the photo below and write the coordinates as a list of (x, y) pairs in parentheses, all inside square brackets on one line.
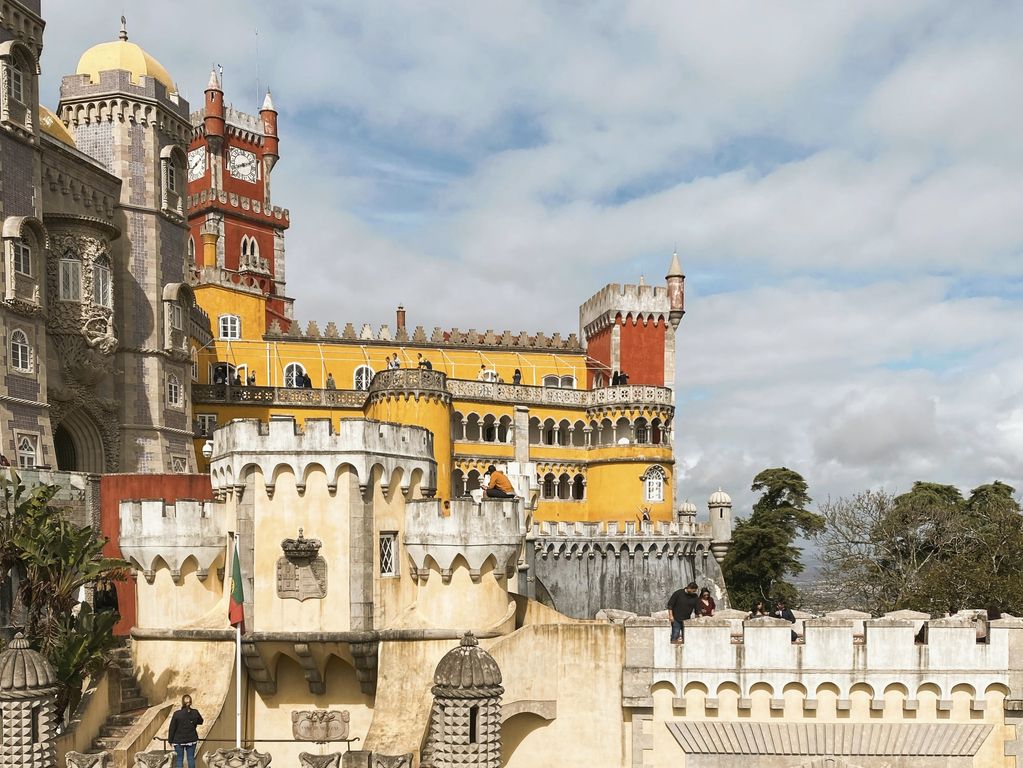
[(270, 141), (676, 291), (720, 506), (213, 119)]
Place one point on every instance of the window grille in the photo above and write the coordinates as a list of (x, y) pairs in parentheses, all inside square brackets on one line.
[(388, 554)]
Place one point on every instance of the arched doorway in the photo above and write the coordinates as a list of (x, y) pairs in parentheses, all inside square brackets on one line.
[(78, 444)]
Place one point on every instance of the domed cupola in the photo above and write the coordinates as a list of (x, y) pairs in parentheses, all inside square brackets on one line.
[(28, 689), (122, 55), (467, 669)]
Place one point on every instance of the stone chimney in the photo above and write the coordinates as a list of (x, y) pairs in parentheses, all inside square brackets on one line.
[(401, 318)]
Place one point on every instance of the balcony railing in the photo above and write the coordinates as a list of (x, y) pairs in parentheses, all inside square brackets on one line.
[(412, 378)]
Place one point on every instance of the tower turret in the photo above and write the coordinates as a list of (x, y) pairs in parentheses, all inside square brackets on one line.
[(213, 119), (720, 507), (676, 291), (271, 143), (28, 688)]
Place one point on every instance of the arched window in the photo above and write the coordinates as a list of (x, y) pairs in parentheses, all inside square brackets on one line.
[(70, 280), (294, 375), (21, 352), (173, 390), (191, 250), (653, 484), (17, 80), (549, 487), (598, 380), (250, 252), (23, 257), (363, 376), (195, 364), (230, 327), (26, 451), (568, 382), (552, 381), (578, 488), (101, 292), (642, 431)]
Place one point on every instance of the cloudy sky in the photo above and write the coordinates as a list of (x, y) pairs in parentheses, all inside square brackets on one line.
[(842, 182)]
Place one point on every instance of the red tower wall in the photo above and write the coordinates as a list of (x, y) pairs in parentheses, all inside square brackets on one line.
[(598, 349), (114, 489), (641, 350)]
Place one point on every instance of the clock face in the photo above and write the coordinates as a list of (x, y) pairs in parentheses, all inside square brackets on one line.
[(196, 164), (242, 164)]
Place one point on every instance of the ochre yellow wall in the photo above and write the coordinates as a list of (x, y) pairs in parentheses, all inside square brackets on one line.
[(427, 411)]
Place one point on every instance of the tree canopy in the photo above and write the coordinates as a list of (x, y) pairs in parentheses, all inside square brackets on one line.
[(929, 549), (763, 554), (51, 560)]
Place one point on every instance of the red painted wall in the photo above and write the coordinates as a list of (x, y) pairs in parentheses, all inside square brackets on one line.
[(642, 351), (113, 489), (598, 348)]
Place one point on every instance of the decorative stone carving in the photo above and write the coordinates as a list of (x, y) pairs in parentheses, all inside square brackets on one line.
[(238, 758), (82, 760), (330, 760), (365, 759), (158, 758), (320, 725), (301, 573)]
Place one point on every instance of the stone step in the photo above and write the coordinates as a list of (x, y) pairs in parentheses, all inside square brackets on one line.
[(104, 744), (125, 719), (130, 692), (140, 702), (113, 731)]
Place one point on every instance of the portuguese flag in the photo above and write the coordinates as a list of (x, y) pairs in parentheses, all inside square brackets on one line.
[(236, 610)]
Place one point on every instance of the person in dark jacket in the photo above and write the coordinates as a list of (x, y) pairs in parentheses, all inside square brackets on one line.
[(684, 604), (782, 611), (182, 733)]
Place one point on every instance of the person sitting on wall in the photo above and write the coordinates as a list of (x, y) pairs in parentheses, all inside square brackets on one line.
[(707, 604), (683, 605), (758, 611), (781, 611), (482, 375), (500, 486), (330, 384)]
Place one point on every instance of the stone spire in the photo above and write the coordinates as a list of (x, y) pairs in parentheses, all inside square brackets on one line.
[(268, 103), (676, 291)]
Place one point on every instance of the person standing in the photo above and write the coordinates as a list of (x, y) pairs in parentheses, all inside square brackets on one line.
[(331, 384), (782, 611), (683, 605), (707, 604), (183, 733)]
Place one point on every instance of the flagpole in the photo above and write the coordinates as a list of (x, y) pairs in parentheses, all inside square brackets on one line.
[(238, 686)]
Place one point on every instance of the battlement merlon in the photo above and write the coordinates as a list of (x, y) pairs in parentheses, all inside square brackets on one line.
[(114, 85), (832, 652), (234, 118), (644, 303), (365, 445), (645, 531), (151, 529), (476, 532), (453, 338)]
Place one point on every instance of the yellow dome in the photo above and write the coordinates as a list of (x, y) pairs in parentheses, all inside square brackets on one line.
[(120, 54), (51, 125)]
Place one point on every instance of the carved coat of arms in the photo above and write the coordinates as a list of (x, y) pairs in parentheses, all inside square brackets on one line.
[(301, 573)]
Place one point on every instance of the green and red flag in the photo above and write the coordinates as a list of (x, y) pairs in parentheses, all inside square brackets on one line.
[(236, 609)]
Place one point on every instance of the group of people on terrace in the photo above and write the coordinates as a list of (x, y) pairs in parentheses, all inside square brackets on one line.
[(684, 604)]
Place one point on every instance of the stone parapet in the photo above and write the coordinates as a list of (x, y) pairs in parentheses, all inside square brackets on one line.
[(830, 652), (151, 529), (362, 444), (641, 303), (409, 382), (476, 532), (288, 396), (644, 530), (453, 338)]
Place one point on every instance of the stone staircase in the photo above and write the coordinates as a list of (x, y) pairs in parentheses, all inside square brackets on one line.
[(132, 703)]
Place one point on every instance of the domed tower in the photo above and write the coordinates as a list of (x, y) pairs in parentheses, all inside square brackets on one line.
[(686, 512), (720, 507), (27, 695), (465, 723), (124, 110)]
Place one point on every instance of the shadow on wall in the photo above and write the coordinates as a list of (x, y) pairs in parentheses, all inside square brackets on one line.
[(522, 740)]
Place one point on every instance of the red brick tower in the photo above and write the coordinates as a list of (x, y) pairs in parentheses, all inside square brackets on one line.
[(631, 328), (237, 235)]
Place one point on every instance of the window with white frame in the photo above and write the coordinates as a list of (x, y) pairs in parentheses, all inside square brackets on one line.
[(552, 381), (653, 484), (250, 251), (22, 257), (17, 80), (598, 380), (230, 327), (101, 293), (568, 382), (173, 390), (294, 375), (176, 316), (21, 352), (389, 554), (172, 176), (195, 364), (27, 451), (363, 376), (207, 423), (70, 280)]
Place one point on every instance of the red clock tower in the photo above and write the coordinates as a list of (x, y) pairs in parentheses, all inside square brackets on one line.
[(236, 233)]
